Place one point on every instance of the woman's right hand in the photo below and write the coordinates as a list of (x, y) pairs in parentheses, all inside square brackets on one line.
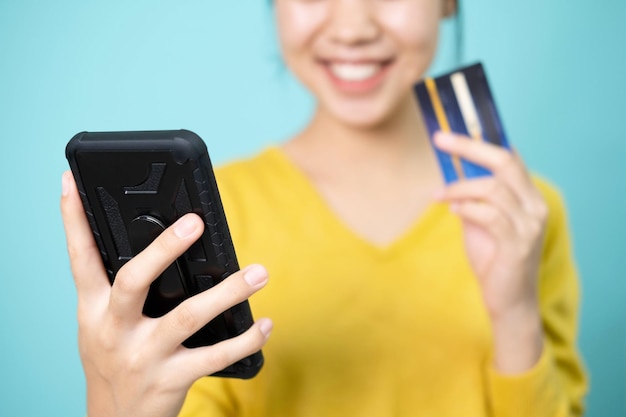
[(135, 365)]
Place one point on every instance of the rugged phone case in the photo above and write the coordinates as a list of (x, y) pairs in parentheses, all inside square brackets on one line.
[(135, 184)]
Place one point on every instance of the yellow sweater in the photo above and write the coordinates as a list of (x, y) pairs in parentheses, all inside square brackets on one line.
[(365, 331)]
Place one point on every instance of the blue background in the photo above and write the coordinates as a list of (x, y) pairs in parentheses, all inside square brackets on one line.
[(557, 69)]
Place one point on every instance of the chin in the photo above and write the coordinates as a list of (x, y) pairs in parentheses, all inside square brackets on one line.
[(365, 115), (363, 121)]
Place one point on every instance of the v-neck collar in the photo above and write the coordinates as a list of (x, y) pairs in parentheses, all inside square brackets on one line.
[(422, 224)]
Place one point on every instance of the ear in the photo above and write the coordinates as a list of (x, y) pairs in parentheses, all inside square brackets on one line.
[(449, 8)]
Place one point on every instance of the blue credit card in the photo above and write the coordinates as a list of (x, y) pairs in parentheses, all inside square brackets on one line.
[(461, 102)]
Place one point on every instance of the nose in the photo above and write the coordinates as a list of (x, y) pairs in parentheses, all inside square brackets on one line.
[(352, 22)]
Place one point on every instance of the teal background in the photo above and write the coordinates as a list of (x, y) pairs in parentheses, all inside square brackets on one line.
[(557, 69)]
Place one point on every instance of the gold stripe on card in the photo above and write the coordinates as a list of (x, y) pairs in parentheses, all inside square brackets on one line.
[(440, 114)]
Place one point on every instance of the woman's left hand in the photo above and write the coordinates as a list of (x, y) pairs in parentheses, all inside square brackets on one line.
[(504, 218)]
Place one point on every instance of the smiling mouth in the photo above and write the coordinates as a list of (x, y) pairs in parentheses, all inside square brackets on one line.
[(356, 77), (355, 71)]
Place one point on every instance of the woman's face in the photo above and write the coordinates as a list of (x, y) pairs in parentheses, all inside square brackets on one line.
[(360, 58)]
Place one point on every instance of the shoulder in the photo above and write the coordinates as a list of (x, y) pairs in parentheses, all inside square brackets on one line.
[(254, 174), (245, 168), (247, 178), (241, 177), (256, 191)]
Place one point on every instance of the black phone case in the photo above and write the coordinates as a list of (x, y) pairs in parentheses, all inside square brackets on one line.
[(135, 184)]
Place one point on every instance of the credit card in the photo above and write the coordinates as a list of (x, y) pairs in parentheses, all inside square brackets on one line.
[(461, 102)]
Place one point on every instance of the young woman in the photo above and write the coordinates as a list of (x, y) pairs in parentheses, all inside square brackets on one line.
[(391, 294)]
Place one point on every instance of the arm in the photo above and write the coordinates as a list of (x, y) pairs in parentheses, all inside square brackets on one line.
[(516, 240), (557, 381)]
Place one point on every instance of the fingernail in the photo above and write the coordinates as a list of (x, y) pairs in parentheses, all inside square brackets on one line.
[(265, 326), (185, 226), (255, 275), (65, 183)]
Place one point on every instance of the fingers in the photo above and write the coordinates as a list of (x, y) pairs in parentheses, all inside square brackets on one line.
[(480, 152), (503, 163), (134, 278), (484, 189), (202, 361), (507, 204), (495, 221), (89, 275), (195, 312)]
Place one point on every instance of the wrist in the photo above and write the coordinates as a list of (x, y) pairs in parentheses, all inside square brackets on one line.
[(518, 338), (99, 402)]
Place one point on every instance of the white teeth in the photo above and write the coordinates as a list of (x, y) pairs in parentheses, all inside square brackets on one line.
[(354, 72)]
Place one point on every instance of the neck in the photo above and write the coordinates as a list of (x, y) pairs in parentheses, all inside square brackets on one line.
[(387, 171)]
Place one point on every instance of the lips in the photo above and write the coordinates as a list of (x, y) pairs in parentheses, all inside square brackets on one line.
[(356, 77)]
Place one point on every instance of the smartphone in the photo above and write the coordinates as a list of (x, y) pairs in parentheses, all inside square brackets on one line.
[(133, 185)]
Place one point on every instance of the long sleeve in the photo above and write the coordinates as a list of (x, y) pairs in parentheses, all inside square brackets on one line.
[(556, 385)]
